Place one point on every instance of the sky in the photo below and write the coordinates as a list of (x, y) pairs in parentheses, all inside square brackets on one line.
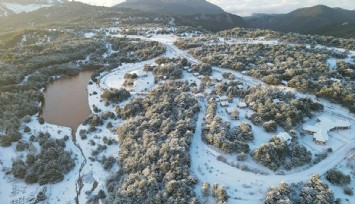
[(248, 7)]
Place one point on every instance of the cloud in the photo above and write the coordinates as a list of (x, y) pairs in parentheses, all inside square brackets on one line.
[(248, 7)]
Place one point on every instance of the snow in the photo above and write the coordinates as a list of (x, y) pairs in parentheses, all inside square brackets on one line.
[(3, 11), (243, 186), (20, 192), (284, 136), (332, 63), (326, 124), (19, 8), (89, 35)]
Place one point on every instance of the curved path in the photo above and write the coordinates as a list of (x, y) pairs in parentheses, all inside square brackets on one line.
[(242, 185)]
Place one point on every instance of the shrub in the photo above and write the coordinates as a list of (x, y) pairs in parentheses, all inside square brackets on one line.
[(348, 191), (270, 126), (27, 129), (337, 177), (115, 95)]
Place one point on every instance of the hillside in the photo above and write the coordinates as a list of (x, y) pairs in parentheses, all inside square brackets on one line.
[(197, 13), (80, 14), (11, 7), (320, 20), (176, 7)]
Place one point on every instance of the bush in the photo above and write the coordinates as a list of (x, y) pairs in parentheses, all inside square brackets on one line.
[(27, 129), (49, 166), (41, 120), (205, 189), (272, 154), (19, 169), (21, 145), (270, 126), (27, 119), (115, 95), (348, 191), (337, 177)]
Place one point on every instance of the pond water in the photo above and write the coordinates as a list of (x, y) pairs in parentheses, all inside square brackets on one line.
[(66, 101)]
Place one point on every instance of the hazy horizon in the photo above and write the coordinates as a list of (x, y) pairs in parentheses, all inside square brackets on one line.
[(248, 7)]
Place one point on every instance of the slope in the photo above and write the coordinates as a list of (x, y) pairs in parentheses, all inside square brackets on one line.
[(320, 20)]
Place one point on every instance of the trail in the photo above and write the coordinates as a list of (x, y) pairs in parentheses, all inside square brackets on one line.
[(79, 181)]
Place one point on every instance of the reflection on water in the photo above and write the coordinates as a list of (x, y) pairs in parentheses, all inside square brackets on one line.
[(66, 101)]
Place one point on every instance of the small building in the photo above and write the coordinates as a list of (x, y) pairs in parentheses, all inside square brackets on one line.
[(224, 104), (223, 98), (284, 136), (335, 80), (276, 100), (242, 104), (325, 125), (240, 87), (284, 82), (216, 78)]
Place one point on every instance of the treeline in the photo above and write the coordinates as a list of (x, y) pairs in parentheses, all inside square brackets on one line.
[(29, 65), (298, 66), (154, 153), (293, 38), (168, 68), (218, 133), (314, 191), (48, 166), (128, 50), (271, 106), (277, 153)]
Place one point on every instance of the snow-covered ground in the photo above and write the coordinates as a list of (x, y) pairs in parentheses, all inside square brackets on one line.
[(242, 186), (17, 191)]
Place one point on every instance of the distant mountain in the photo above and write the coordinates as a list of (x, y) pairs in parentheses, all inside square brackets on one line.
[(320, 20), (176, 7), (11, 7), (198, 13), (73, 13), (78, 13)]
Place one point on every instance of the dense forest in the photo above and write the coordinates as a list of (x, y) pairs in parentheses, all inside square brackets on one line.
[(155, 139), (297, 65)]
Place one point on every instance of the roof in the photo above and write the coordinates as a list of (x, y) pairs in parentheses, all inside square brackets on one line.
[(223, 98), (284, 136), (224, 103), (325, 125), (230, 110), (242, 105)]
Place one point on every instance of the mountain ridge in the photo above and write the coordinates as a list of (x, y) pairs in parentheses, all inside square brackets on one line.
[(318, 20), (175, 7)]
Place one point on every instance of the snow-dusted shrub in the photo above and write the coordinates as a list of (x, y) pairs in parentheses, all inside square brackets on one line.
[(21, 145), (348, 191), (203, 69), (270, 126), (272, 154), (115, 95), (49, 166), (315, 191), (337, 177), (205, 189)]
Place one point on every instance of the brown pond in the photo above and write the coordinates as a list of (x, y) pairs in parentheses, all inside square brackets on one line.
[(66, 101)]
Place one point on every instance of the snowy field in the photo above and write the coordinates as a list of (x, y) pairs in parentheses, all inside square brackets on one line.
[(243, 186)]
